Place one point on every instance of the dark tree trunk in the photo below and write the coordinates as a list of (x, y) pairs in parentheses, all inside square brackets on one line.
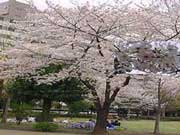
[(156, 128), (46, 110), (103, 109), (164, 112), (101, 121), (1, 87), (158, 110), (137, 114), (5, 111), (148, 112), (128, 113)]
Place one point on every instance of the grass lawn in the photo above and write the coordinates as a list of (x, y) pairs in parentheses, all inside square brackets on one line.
[(141, 127), (148, 126), (28, 127), (14, 132)]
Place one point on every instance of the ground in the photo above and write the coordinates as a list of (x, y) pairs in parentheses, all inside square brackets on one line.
[(13, 132), (147, 126), (140, 127)]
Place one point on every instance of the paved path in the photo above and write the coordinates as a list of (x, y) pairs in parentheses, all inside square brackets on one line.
[(13, 132)]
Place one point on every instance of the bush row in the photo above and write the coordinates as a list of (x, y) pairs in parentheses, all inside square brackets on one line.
[(45, 127)]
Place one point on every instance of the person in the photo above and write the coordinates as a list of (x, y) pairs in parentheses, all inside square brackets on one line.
[(109, 125), (116, 123), (90, 124)]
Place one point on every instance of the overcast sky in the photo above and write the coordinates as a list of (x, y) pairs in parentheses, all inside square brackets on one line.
[(67, 3)]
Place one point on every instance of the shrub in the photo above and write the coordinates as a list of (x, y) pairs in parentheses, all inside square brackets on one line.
[(39, 118), (45, 127), (170, 119), (21, 111), (76, 107)]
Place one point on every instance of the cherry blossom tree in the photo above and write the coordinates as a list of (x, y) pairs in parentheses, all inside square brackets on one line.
[(100, 44), (101, 50), (159, 90)]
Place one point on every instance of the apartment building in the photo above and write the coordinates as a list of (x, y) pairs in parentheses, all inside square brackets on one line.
[(11, 11)]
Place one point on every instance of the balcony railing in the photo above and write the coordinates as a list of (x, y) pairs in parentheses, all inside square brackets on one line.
[(8, 34)]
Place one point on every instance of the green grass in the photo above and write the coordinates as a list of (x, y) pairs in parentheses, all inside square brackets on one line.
[(141, 127), (147, 126), (14, 132), (28, 127)]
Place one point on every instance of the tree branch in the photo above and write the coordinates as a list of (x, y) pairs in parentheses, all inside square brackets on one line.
[(113, 96)]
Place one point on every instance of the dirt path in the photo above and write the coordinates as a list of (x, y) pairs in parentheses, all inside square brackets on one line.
[(13, 132)]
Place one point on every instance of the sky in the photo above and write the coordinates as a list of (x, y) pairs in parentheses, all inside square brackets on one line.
[(41, 4)]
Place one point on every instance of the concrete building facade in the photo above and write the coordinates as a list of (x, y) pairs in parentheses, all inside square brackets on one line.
[(10, 12), (13, 10)]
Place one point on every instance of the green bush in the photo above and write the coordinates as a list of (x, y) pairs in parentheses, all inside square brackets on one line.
[(76, 107), (40, 118), (21, 111), (45, 127)]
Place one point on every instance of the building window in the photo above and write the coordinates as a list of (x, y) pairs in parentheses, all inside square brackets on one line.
[(17, 16), (11, 29), (11, 21), (19, 9), (5, 7), (1, 18), (1, 27), (8, 36)]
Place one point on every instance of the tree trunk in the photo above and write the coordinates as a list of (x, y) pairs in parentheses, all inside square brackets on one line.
[(128, 113), (103, 110), (5, 111), (1, 87), (158, 110), (46, 110), (137, 113), (164, 112), (101, 121), (156, 129), (148, 112)]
